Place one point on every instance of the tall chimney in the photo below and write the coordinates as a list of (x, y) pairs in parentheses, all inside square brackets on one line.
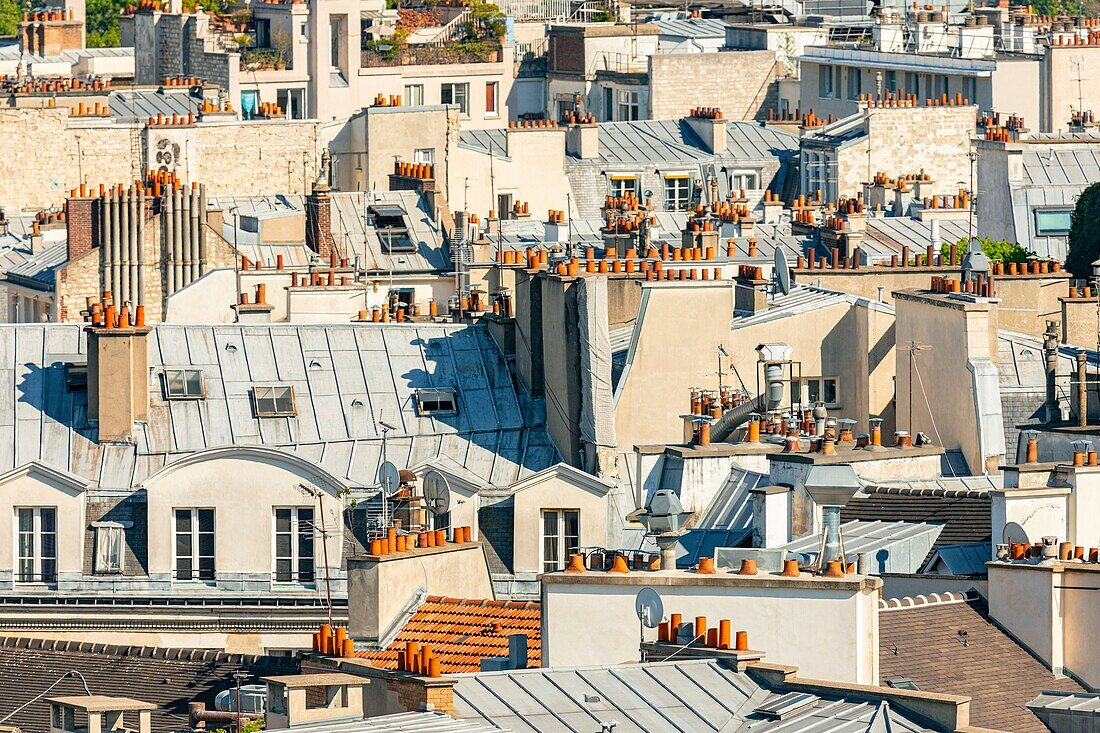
[(82, 223), (583, 140), (118, 379), (319, 221)]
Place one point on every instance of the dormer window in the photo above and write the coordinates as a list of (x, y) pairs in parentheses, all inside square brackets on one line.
[(432, 402), (184, 384), (277, 401)]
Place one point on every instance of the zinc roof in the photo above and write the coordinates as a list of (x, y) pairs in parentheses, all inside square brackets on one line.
[(803, 299), (426, 722), (673, 141), (485, 142), (891, 547), (141, 104), (731, 507), (346, 379), (664, 697), (967, 558), (1061, 165), (462, 632), (38, 269), (692, 27)]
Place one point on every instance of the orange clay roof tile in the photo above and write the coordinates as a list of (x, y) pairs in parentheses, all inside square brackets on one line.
[(462, 632)]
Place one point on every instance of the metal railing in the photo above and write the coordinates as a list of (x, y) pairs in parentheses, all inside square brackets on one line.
[(454, 30)]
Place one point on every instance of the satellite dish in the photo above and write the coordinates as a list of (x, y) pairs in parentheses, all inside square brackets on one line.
[(1014, 533), (437, 493), (389, 478), (649, 607), (781, 271)]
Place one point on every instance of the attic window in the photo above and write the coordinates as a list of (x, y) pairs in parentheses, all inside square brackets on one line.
[(277, 401), (901, 683), (76, 377), (436, 402), (108, 547), (393, 232), (184, 384)]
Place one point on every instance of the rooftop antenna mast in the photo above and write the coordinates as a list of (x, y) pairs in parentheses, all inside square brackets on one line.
[(1079, 62), (315, 493), (913, 348)]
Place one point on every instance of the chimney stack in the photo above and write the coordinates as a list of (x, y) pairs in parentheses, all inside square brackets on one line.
[(583, 141), (319, 221), (118, 377), (82, 222)]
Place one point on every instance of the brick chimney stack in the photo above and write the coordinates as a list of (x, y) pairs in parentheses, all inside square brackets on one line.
[(82, 222), (319, 215)]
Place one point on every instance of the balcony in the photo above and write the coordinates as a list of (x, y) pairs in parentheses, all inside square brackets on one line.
[(381, 54)]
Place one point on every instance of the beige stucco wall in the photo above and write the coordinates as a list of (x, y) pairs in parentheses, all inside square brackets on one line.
[(1080, 609), (944, 402), (380, 589), (1063, 92), (1023, 601), (534, 172), (243, 520), (854, 344), (740, 83), (554, 493), (829, 629), (37, 489), (1079, 322)]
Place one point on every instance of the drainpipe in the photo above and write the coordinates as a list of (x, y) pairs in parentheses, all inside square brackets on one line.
[(139, 248), (1082, 390), (1050, 350)]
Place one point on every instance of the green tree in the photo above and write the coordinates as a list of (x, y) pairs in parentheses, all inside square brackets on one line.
[(11, 12), (1000, 250), (1084, 233), (102, 22)]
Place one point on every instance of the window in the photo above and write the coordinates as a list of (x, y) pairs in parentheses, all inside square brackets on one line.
[(622, 185), (943, 85), (108, 547), (184, 384), (854, 86), (628, 105), (912, 83), (263, 32), (76, 377), (294, 544), (424, 155), (812, 390), (560, 537), (435, 402), (36, 544), (677, 193), (825, 81), (292, 102), (456, 94), (492, 90), (744, 180), (389, 225), (608, 104), (901, 683), (891, 81), (414, 95), (275, 401), (971, 90), (194, 544), (1050, 222)]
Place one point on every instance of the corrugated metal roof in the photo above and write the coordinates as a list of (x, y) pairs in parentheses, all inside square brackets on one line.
[(673, 141), (139, 105), (346, 378), (869, 58), (38, 269), (350, 230), (886, 235), (433, 722), (731, 507), (693, 27), (960, 559), (1084, 703), (665, 697), (896, 547)]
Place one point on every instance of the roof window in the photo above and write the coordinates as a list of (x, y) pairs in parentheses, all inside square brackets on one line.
[(276, 401), (184, 384), (436, 402), (393, 232)]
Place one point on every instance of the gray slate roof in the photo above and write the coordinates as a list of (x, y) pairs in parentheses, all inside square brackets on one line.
[(673, 141), (141, 104), (666, 697), (346, 379), (353, 236)]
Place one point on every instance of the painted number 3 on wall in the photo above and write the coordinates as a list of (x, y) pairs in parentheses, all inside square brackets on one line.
[(168, 154)]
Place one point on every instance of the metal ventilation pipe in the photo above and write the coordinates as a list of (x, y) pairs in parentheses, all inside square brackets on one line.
[(1082, 389), (820, 415), (773, 376), (138, 259), (830, 516)]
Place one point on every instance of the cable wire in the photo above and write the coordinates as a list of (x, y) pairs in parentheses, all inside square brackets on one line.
[(36, 698)]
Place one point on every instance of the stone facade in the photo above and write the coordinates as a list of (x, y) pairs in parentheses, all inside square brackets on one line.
[(168, 44), (743, 84), (49, 153)]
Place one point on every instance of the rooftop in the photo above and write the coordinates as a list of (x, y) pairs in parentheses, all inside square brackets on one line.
[(662, 697), (462, 632), (953, 646), (167, 678)]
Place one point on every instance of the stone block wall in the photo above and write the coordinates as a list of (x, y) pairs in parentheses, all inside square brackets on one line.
[(740, 83), (932, 139)]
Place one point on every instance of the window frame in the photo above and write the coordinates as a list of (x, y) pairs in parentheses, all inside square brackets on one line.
[(185, 395), (38, 574), (493, 98), (113, 533), (409, 91), (628, 105), (825, 88), (560, 538), (453, 87), (750, 176), (196, 574), (855, 76), (806, 386), (293, 412), (424, 156), (675, 199), (1040, 231), (618, 190), (420, 399), (295, 556)]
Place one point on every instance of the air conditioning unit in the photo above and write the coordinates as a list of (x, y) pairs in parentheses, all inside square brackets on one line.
[(253, 699)]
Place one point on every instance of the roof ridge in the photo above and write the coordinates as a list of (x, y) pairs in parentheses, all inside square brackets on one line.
[(932, 599), (149, 652)]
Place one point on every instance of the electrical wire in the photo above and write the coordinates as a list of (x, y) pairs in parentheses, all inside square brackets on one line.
[(36, 698), (932, 419)]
